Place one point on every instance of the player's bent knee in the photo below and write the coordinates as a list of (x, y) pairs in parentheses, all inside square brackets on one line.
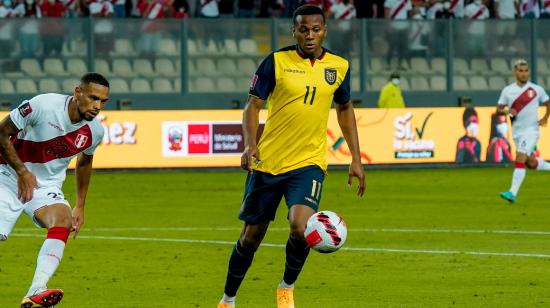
[(57, 215), (62, 219), (532, 165)]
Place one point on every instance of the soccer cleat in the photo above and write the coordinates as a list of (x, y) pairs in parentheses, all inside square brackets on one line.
[(220, 305), (509, 196), (47, 298), (285, 298)]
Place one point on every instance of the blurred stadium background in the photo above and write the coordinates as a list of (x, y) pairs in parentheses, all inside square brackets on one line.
[(207, 63)]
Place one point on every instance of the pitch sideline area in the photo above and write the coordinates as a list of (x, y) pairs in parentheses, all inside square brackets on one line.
[(419, 238)]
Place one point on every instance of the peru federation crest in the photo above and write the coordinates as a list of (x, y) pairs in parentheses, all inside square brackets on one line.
[(330, 76)]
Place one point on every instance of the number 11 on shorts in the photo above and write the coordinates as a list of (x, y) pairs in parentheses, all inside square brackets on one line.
[(316, 190)]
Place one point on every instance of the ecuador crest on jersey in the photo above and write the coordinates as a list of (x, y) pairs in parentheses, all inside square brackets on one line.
[(330, 76)]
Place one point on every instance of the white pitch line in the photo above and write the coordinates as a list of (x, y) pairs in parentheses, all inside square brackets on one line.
[(368, 230), (368, 249)]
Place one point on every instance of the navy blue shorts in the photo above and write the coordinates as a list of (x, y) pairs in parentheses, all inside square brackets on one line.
[(264, 191)]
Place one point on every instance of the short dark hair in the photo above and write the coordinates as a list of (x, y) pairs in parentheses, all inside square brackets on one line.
[(94, 78), (308, 10), (468, 113)]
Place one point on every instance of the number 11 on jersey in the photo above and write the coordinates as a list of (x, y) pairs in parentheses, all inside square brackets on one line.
[(312, 95)]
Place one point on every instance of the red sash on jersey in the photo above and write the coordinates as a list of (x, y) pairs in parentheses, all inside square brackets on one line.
[(350, 10), (207, 2), (398, 9), (546, 4), (524, 99), (479, 12), (453, 5), (59, 147)]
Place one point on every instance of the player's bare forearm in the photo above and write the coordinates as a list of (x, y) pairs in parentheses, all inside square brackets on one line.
[(544, 120), (547, 114), (7, 151), (251, 120), (83, 172), (346, 120), (502, 110)]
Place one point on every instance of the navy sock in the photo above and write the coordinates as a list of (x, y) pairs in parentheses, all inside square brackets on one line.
[(240, 261), (296, 255)]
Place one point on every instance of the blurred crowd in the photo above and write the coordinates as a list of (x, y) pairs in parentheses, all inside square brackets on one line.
[(338, 9)]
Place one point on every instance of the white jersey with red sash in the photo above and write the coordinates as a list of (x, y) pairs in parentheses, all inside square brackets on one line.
[(529, 7), (476, 11), (398, 8), (48, 140), (457, 7), (525, 101), (344, 11)]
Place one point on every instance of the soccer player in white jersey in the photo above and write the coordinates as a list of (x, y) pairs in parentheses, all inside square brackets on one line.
[(37, 141), (521, 101)]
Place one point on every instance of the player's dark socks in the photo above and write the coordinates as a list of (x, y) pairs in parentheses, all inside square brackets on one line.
[(240, 261), (296, 255)]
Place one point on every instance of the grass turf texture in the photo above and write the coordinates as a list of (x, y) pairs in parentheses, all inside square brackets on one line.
[(155, 272)]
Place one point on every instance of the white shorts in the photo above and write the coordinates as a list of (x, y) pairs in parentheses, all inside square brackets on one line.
[(526, 143), (11, 208)]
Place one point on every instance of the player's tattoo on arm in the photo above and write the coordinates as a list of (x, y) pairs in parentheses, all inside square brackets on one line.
[(7, 151)]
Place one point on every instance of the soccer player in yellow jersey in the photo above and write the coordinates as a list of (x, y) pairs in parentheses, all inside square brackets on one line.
[(300, 83)]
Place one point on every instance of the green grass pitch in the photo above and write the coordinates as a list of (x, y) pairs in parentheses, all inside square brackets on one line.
[(424, 238)]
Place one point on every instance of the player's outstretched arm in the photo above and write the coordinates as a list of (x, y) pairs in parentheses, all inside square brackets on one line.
[(26, 181), (346, 120), (83, 172), (544, 120), (251, 122)]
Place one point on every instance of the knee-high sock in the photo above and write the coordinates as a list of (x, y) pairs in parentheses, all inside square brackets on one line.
[(542, 165), (49, 257), (239, 262), (518, 177), (296, 255)]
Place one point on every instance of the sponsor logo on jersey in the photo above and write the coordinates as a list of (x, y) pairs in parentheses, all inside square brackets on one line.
[(531, 93), (80, 141), (294, 71), (330, 76), (25, 109), (55, 126)]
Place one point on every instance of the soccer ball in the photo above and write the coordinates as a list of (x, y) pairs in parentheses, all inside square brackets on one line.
[(325, 232)]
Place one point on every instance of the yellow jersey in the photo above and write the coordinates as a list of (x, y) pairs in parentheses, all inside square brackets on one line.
[(391, 97), (299, 93)]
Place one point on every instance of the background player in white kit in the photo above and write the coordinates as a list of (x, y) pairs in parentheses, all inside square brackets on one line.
[(37, 141), (521, 101)]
